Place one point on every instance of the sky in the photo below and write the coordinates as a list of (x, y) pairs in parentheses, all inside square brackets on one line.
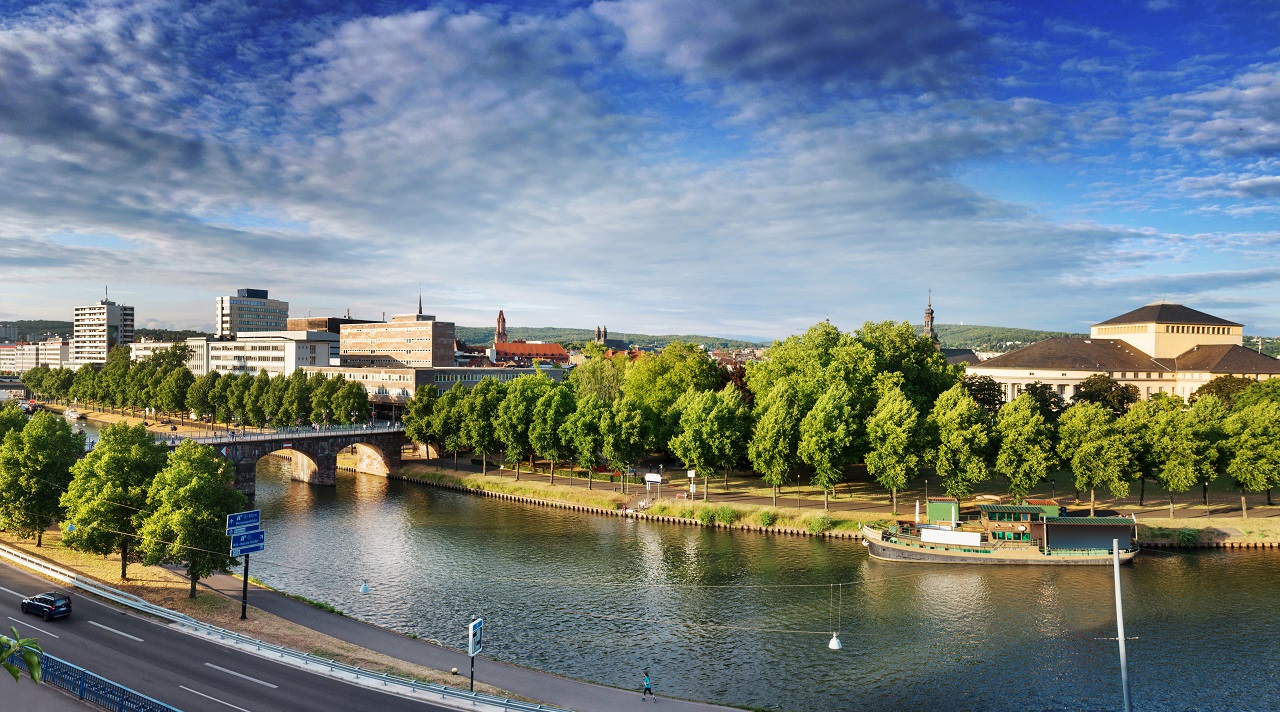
[(735, 168)]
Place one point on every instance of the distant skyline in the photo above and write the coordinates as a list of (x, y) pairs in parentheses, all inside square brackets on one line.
[(743, 167)]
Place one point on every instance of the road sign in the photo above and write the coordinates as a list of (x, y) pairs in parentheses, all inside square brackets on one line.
[(475, 638), (240, 519), (248, 539), (693, 474), (652, 477), (251, 549), (234, 531)]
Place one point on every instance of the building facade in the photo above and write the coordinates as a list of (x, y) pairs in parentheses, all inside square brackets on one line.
[(279, 353), (98, 328), (1159, 348), (407, 341), (8, 332), (390, 388), (250, 310), (8, 358), (197, 361)]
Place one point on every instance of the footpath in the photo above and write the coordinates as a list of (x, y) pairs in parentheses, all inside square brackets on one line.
[(532, 684)]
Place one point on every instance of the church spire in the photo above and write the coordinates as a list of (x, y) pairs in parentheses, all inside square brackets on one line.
[(929, 332), (419, 298), (500, 333)]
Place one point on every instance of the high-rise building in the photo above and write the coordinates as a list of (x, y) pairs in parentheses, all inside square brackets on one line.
[(407, 341), (98, 328), (8, 332), (249, 310)]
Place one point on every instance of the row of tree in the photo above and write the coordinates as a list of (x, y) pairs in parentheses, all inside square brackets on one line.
[(163, 384), (825, 401), (129, 495)]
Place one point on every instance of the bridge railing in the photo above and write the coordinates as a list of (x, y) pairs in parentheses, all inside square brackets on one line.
[(443, 694), (228, 437)]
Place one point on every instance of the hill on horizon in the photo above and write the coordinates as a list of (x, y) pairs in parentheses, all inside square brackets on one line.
[(475, 335)]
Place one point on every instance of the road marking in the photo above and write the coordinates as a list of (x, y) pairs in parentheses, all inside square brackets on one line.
[(15, 620), (210, 697), (241, 675), (117, 632), (9, 590)]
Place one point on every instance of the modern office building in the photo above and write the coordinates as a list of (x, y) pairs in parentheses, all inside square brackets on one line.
[(249, 311), (54, 352), (8, 332), (332, 324), (407, 341), (390, 388), (8, 358), (276, 352), (1159, 348), (98, 328), (197, 361)]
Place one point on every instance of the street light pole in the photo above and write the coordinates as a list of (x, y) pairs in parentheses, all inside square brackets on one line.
[(1124, 662)]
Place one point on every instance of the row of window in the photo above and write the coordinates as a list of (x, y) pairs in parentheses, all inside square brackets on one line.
[(1185, 329), (1011, 536)]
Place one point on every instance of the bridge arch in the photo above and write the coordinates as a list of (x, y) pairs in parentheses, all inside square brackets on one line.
[(365, 457), (314, 453)]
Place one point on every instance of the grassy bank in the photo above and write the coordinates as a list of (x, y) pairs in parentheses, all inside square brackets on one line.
[(166, 588), (604, 498), (1199, 531)]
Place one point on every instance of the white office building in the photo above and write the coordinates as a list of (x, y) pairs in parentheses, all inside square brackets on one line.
[(276, 352), (98, 328), (249, 311)]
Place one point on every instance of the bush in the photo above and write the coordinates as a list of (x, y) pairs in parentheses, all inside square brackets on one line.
[(819, 524), (725, 514), (767, 517), (1188, 537), (687, 513), (706, 516)]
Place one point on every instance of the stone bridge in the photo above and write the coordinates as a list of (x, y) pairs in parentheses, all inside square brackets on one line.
[(314, 452)]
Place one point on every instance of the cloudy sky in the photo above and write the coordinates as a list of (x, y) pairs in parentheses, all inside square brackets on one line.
[(735, 167)]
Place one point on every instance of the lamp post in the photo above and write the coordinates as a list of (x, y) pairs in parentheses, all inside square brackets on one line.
[(1206, 498), (1053, 490)]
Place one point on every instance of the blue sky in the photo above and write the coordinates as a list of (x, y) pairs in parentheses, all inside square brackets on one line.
[(743, 167)]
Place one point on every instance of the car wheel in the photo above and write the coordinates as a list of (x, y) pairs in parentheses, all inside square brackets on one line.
[(44, 615), (24, 609)]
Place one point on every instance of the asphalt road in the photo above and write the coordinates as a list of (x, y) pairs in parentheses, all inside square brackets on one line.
[(178, 669)]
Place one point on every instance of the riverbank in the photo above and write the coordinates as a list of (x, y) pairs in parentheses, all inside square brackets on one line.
[(1154, 527), (169, 589)]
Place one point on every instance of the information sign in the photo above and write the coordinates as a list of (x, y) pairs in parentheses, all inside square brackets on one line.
[(240, 519), (475, 638), (652, 477), (248, 539), (250, 549), (233, 531)]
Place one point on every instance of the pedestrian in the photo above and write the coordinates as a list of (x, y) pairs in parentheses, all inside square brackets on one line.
[(648, 688)]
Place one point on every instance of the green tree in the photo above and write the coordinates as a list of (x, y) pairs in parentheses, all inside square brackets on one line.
[(1026, 445), (173, 392), (826, 439), (986, 392), (1254, 447), (199, 395), (84, 386), (1048, 400), (35, 468), (351, 403), (107, 498), (27, 648), (447, 420), (623, 431), (776, 439), (113, 382), (893, 433), (961, 430), (550, 415), (582, 432), (256, 400), (1226, 388), (599, 376), (515, 415), (1107, 392), (323, 390), (1141, 426), (655, 383), (189, 501), (481, 413), (34, 380), (1095, 448), (1184, 444), (1268, 390), (419, 421), (12, 419), (695, 442), (899, 349)]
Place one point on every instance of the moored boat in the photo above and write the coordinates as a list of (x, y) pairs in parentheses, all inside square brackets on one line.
[(72, 414), (1003, 534)]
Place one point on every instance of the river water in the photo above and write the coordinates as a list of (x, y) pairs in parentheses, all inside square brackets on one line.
[(722, 616)]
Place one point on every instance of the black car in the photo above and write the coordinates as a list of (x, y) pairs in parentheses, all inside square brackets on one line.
[(54, 604)]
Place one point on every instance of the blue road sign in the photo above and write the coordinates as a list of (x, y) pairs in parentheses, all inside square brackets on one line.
[(249, 539), (240, 519), (252, 548), (475, 637), (233, 531)]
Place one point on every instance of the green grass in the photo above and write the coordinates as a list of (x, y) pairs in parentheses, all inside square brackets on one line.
[(604, 499)]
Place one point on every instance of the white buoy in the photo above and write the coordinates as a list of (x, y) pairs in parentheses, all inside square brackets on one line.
[(364, 587), (835, 642)]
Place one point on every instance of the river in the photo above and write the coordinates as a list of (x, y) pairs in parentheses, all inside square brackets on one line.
[(711, 613)]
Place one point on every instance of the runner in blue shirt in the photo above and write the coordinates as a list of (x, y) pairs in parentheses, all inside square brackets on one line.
[(648, 688)]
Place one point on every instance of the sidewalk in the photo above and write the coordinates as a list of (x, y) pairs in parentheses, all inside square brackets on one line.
[(532, 684), (24, 695)]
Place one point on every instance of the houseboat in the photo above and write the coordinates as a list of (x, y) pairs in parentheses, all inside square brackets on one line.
[(1028, 533), (72, 414)]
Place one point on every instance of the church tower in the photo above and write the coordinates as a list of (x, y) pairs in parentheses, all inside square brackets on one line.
[(929, 333), (500, 333)]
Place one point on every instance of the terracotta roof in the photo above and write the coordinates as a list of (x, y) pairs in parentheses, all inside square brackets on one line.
[(515, 349), (1223, 358), (1070, 353), (1167, 313)]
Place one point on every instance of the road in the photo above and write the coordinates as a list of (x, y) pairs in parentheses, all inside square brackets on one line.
[(178, 669)]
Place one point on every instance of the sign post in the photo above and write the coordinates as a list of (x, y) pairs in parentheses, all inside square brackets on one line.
[(475, 643), (247, 537)]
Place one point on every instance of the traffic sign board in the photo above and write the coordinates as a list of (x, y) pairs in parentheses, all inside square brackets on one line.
[(475, 637), (240, 519), (252, 548), (248, 539), (233, 531)]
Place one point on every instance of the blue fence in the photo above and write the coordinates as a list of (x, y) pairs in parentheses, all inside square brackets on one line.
[(92, 688)]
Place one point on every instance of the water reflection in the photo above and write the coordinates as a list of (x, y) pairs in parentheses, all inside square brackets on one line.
[(601, 598)]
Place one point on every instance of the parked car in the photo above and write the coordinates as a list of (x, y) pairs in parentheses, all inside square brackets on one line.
[(53, 604)]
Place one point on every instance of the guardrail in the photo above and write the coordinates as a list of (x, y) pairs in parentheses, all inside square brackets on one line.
[(228, 437), (92, 687), (439, 693)]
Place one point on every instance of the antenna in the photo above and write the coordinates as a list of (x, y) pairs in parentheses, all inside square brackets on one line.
[(419, 298)]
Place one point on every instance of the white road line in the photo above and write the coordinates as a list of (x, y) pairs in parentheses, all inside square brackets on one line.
[(117, 632), (9, 590), (241, 675), (209, 697), (15, 620)]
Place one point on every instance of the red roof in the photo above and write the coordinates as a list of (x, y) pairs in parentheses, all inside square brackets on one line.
[(515, 349)]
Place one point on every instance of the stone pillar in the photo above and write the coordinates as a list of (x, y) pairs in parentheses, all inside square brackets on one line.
[(318, 469), (247, 477)]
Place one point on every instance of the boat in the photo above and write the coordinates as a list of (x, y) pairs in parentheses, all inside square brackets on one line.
[(1036, 532), (72, 414)]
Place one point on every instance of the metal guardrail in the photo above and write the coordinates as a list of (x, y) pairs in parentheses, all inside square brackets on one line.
[(332, 431), (443, 693), (92, 687)]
